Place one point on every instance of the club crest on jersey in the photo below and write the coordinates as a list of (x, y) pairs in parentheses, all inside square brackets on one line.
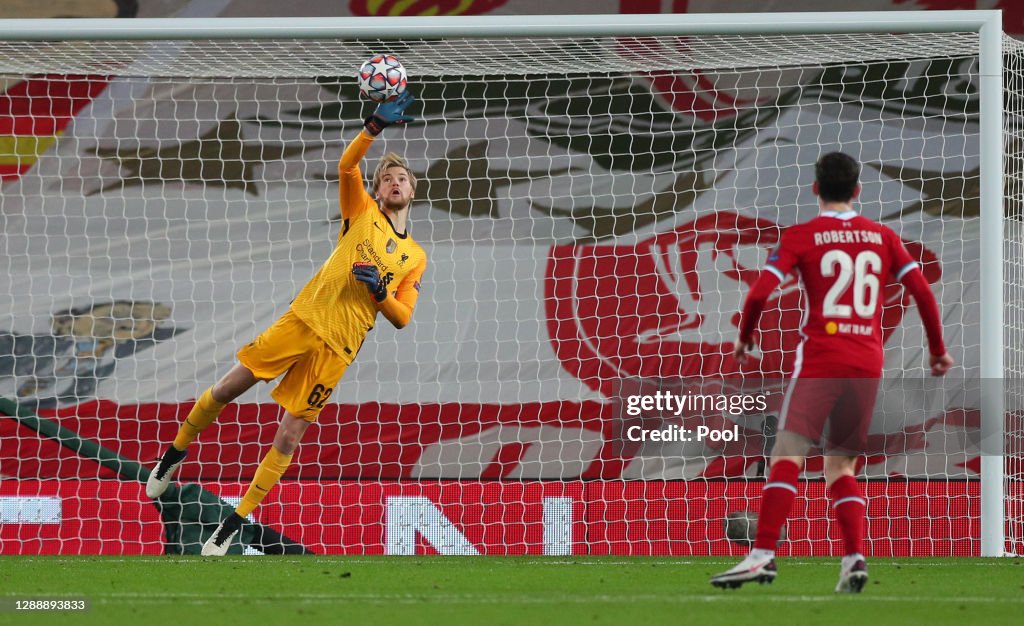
[(403, 259)]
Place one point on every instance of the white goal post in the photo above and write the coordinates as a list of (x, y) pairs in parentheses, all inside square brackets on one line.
[(196, 68)]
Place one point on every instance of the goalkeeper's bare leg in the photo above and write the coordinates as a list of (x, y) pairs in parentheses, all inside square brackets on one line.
[(274, 464), (849, 507), (206, 409), (776, 499)]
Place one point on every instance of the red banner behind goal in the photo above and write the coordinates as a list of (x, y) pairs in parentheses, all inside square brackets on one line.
[(912, 518)]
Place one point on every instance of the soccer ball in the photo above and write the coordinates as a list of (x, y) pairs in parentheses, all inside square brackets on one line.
[(382, 78), (741, 528)]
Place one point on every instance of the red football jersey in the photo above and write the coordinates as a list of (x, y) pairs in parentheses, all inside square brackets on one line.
[(844, 261)]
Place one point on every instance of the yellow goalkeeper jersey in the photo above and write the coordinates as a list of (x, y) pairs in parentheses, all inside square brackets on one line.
[(333, 303)]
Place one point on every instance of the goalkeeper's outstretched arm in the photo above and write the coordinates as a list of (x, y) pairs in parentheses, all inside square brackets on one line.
[(352, 195)]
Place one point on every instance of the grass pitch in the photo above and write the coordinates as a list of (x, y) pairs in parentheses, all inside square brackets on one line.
[(190, 591)]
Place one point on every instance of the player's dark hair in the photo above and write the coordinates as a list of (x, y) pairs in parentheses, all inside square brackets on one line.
[(836, 174)]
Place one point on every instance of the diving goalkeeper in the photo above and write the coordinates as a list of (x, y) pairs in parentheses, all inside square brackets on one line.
[(375, 267)]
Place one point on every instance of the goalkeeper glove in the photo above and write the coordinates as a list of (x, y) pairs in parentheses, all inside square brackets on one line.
[(368, 274), (388, 113)]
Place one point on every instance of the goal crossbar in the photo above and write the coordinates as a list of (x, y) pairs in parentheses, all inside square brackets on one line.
[(391, 28)]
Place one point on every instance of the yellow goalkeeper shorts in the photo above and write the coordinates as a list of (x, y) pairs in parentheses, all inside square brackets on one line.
[(311, 369)]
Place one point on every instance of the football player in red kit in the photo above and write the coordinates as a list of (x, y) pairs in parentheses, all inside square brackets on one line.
[(843, 260)]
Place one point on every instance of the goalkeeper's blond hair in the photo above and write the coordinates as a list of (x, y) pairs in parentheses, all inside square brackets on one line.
[(389, 160)]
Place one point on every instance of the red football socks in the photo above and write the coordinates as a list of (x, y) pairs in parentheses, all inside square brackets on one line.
[(776, 500), (849, 506)]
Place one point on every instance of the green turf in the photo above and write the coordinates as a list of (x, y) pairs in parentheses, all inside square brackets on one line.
[(274, 591)]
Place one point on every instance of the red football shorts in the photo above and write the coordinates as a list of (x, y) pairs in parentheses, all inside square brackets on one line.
[(837, 410)]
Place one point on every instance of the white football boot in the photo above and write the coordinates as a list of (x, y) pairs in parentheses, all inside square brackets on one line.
[(853, 574), (161, 477), (759, 566), (220, 541)]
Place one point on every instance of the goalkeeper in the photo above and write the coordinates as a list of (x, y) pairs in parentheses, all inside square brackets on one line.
[(375, 267)]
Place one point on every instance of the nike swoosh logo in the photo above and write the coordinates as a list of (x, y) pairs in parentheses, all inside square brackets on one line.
[(377, 226)]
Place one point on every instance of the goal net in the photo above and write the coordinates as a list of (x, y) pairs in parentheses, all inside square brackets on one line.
[(594, 209)]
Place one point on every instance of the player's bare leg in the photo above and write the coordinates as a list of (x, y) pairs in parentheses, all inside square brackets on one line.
[(289, 434), (776, 499), (206, 409), (849, 507)]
